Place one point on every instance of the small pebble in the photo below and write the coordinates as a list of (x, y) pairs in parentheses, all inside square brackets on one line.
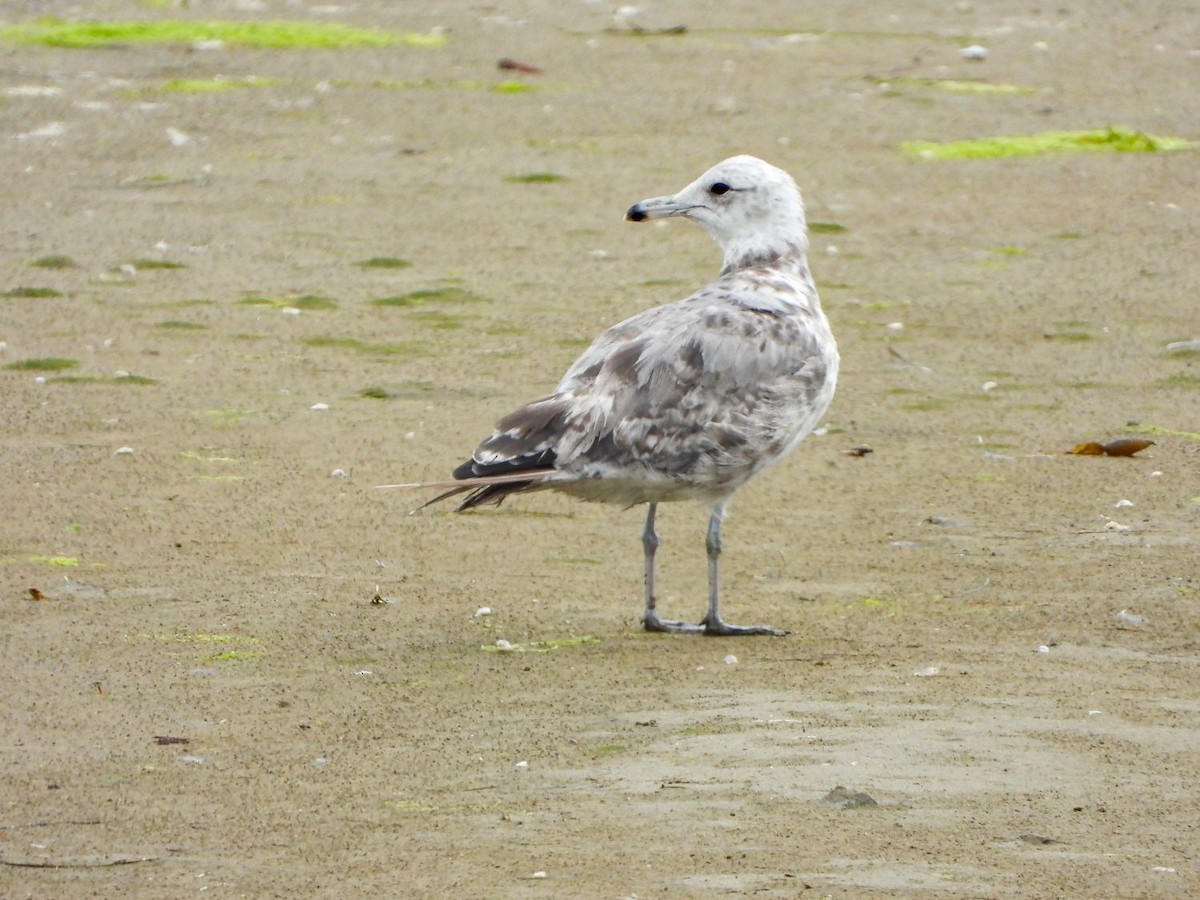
[(123, 451), (523, 764), (1120, 504), (503, 645), (1042, 648), (927, 672), (339, 473), (540, 874), (988, 386), (483, 611), (290, 311), (731, 660), (974, 52), (319, 407)]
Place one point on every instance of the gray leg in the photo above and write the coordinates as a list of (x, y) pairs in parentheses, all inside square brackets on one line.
[(652, 622), (712, 622)]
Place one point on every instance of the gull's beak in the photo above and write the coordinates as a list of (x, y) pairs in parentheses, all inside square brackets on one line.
[(658, 208)]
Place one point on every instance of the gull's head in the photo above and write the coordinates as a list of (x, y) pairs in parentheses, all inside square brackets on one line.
[(751, 208)]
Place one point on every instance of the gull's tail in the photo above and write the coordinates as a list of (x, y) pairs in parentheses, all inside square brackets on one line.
[(519, 456), (480, 490)]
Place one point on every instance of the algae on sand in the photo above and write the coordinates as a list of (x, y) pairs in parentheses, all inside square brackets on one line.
[(1114, 140), (279, 34)]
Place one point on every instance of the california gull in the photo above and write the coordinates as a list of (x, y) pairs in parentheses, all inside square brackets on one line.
[(690, 400)]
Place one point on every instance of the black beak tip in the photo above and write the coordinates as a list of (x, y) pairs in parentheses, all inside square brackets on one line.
[(635, 215)]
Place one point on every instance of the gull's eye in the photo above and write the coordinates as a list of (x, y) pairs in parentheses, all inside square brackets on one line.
[(720, 188)]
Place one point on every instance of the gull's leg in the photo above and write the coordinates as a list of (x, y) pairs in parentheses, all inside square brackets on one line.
[(712, 623), (651, 621)]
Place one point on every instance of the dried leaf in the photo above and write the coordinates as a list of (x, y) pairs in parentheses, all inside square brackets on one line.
[(516, 65), (1119, 447), (1126, 446), (37, 595)]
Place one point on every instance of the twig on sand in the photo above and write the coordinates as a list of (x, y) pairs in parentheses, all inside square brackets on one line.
[(83, 862)]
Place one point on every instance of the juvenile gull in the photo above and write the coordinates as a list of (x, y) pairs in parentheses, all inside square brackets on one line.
[(687, 401)]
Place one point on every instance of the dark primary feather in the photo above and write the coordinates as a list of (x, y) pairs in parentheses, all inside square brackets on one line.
[(540, 461)]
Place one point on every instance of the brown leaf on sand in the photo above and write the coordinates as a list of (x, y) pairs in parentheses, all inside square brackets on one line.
[(37, 595), (1119, 447), (515, 65), (1126, 446)]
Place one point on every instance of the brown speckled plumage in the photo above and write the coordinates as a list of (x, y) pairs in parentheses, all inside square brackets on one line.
[(692, 399)]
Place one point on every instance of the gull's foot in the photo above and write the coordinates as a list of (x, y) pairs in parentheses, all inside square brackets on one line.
[(721, 629), (653, 623), (724, 629)]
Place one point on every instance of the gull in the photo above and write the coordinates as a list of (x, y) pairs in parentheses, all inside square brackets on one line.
[(686, 401)]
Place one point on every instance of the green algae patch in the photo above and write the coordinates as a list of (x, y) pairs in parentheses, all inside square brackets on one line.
[(537, 178), (978, 87), (431, 295), (227, 417), (306, 301), (153, 264), (957, 86), (1113, 140), (512, 87), (273, 35), (54, 261), (405, 390), (44, 364), (66, 561), (210, 85), (32, 292), (370, 348), (235, 655), (575, 640), (1159, 431), (209, 454), (98, 379), (384, 262), (437, 319)]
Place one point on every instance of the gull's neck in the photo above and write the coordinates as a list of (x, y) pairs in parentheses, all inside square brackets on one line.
[(784, 250)]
